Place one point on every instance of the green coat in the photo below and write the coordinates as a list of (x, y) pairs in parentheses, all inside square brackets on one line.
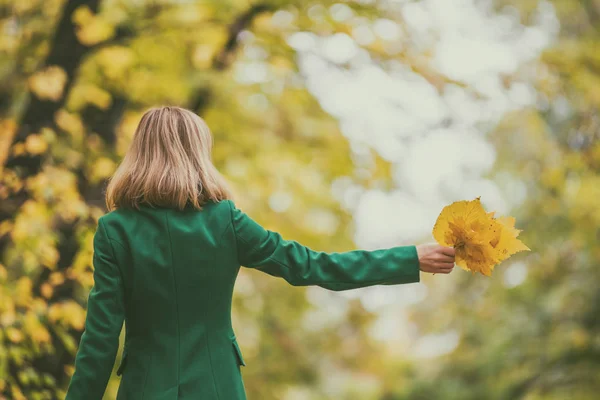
[(170, 274)]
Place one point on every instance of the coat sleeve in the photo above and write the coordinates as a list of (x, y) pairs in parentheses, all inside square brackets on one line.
[(267, 251), (105, 314)]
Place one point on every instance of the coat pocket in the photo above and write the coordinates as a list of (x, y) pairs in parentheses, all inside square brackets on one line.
[(238, 352)]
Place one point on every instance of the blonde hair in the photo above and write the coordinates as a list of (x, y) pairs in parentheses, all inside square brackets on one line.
[(168, 164)]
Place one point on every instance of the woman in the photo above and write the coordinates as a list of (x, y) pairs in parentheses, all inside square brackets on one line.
[(166, 258)]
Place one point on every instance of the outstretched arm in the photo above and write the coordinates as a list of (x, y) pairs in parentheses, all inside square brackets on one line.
[(267, 251), (104, 320)]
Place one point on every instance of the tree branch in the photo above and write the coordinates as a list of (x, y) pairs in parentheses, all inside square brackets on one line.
[(225, 57)]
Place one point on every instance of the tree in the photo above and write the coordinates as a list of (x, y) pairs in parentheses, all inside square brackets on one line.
[(78, 75)]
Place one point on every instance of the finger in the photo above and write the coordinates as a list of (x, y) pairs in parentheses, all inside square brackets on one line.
[(449, 251), (446, 270), (443, 258), (445, 265)]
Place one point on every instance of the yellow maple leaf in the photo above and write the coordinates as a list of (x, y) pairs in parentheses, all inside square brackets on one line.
[(506, 243), (480, 240)]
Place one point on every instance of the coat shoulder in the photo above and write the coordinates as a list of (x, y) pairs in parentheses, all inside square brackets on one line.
[(221, 208)]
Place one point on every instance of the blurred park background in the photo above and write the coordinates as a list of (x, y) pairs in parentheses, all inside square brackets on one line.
[(375, 115)]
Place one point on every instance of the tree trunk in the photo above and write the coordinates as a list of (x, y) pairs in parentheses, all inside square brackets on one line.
[(224, 58), (66, 52)]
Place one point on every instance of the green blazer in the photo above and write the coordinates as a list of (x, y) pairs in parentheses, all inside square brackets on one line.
[(169, 275)]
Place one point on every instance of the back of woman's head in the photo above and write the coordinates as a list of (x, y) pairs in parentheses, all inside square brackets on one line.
[(168, 164)]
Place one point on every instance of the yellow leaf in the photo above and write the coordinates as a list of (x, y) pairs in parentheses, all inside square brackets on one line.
[(126, 130), (115, 61), (46, 290), (553, 178), (281, 64), (14, 335), (48, 255), (75, 315), (36, 330), (56, 278), (69, 370), (91, 29), (3, 273), (102, 168), (82, 15), (17, 394), (54, 313), (264, 22), (35, 144), (8, 128), (203, 55), (8, 315), (18, 149), (69, 313), (49, 83), (22, 295), (450, 227), (70, 123), (480, 240), (87, 93)]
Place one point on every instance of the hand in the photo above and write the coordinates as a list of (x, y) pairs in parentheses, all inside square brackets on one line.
[(435, 259)]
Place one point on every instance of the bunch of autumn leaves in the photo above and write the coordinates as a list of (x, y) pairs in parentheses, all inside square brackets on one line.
[(480, 240)]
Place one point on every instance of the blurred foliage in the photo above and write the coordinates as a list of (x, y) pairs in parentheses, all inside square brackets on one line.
[(76, 76), (539, 339)]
